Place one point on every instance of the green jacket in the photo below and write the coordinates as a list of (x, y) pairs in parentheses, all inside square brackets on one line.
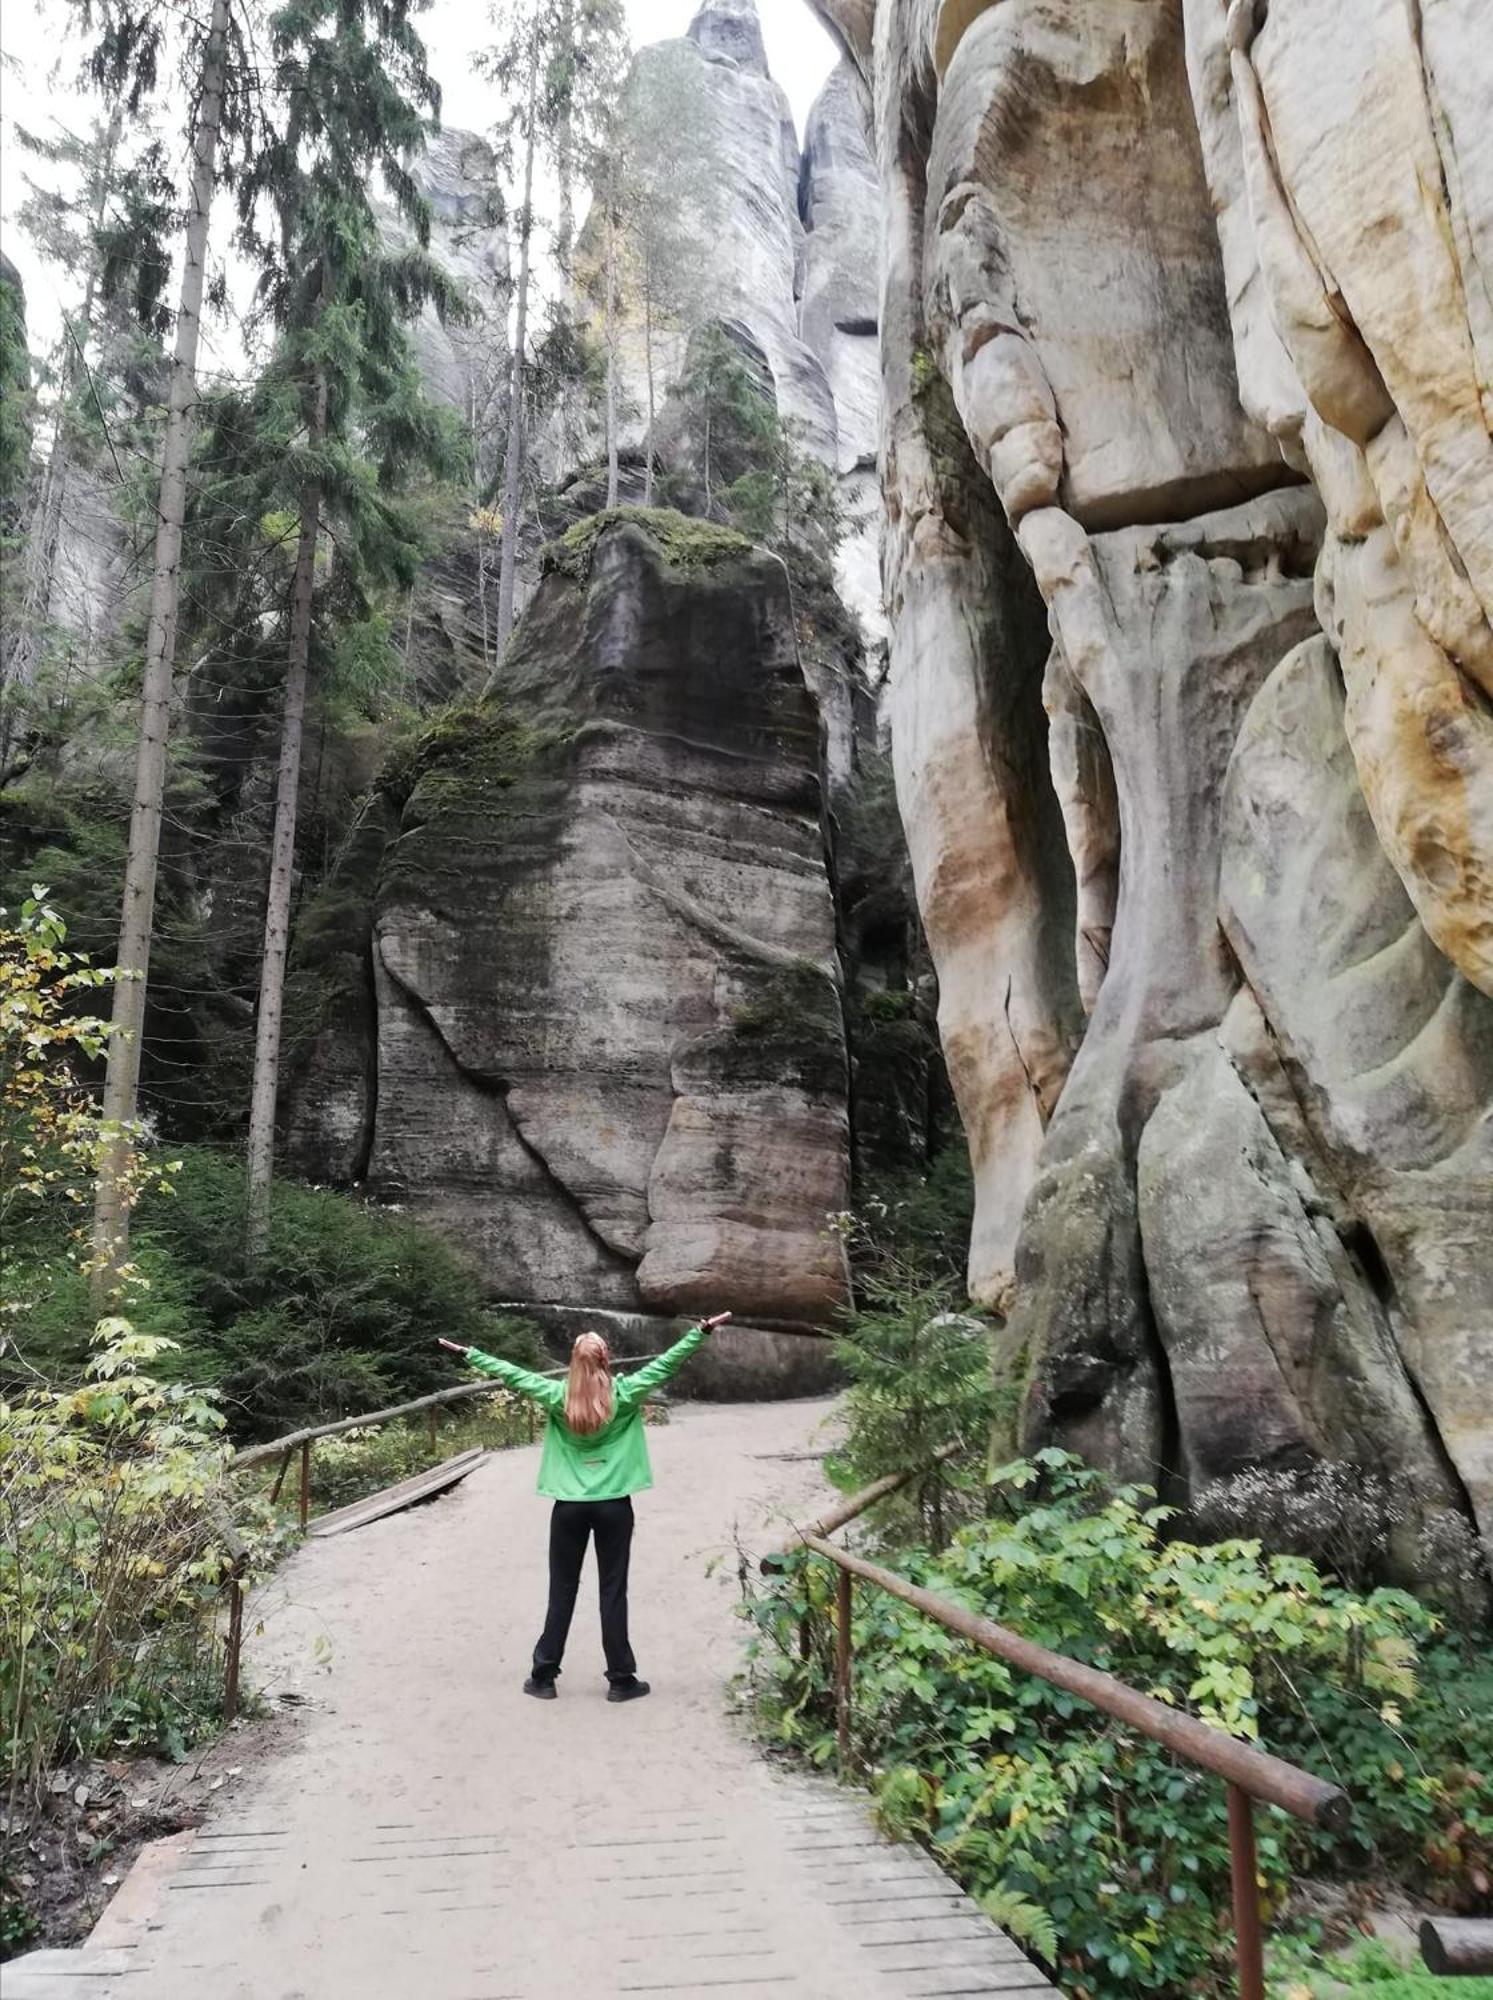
[(614, 1461)]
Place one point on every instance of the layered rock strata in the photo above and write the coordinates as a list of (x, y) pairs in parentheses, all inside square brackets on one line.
[(603, 1044), (1188, 475)]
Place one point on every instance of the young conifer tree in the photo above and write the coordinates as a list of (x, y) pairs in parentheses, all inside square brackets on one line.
[(358, 101)]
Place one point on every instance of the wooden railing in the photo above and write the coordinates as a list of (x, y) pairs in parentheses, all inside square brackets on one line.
[(1248, 1774)]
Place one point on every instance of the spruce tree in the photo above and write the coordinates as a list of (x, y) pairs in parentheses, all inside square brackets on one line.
[(126, 57), (559, 64), (358, 101)]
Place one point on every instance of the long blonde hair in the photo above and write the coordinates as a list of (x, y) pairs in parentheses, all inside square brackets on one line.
[(588, 1387)]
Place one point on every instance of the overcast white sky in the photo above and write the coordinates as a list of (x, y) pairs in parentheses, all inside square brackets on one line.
[(800, 54)]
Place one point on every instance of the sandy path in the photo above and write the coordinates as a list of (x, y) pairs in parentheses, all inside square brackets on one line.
[(434, 1834)]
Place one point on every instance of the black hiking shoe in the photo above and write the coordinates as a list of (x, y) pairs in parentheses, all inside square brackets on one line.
[(628, 1690), (540, 1689)]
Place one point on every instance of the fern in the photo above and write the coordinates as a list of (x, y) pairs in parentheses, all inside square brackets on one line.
[(1025, 1920)]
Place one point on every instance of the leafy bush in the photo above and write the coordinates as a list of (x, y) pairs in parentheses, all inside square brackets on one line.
[(342, 1315), (1042, 1806), (112, 1496)]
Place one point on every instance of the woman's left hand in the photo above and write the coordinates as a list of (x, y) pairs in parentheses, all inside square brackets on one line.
[(719, 1320), (453, 1347)]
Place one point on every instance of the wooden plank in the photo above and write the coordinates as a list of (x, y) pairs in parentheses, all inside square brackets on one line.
[(393, 1498)]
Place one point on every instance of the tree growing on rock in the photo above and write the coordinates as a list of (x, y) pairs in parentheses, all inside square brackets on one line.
[(559, 64), (658, 190)]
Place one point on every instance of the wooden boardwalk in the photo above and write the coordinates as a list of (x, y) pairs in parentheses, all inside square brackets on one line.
[(432, 1834)]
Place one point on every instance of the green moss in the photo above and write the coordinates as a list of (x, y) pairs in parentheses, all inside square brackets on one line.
[(795, 1003), (466, 753), (925, 375), (893, 1004), (683, 541)]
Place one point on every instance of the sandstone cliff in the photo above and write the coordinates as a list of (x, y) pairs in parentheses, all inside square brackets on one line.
[(1186, 346), (786, 260), (598, 1037)]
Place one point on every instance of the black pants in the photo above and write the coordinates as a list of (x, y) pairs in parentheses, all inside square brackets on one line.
[(571, 1526)]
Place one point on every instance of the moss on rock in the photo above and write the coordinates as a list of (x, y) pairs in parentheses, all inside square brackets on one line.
[(791, 1003), (683, 541)]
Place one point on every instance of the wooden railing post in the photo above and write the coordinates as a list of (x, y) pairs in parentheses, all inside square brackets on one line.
[(235, 1640), (1244, 1872), (305, 1484), (842, 1666), (280, 1478)]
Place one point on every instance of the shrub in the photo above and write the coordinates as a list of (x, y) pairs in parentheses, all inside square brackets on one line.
[(1039, 1804), (342, 1315), (919, 1372), (112, 1497)]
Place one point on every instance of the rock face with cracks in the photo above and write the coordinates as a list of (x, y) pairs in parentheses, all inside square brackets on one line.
[(1186, 352), (603, 1044), (784, 259)]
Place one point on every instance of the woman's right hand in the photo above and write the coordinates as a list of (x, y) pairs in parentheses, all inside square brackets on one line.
[(454, 1348), (719, 1320)]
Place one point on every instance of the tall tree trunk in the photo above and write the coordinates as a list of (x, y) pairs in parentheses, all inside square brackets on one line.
[(264, 1094), (565, 158), (648, 367), (25, 650), (613, 470), (513, 463), (122, 1079)]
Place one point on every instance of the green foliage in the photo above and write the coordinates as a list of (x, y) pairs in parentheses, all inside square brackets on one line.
[(917, 1361), (683, 541), (342, 1315), (112, 1496), (1024, 1792), (915, 1224), (51, 1139), (1297, 1970), (15, 406)]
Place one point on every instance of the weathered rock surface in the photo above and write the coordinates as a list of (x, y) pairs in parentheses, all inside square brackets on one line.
[(788, 264), (464, 362), (1205, 867), (1350, 133), (610, 1057)]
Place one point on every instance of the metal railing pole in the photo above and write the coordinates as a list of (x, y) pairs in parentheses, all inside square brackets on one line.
[(1244, 1874), (280, 1478), (842, 1666), (305, 1484)]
